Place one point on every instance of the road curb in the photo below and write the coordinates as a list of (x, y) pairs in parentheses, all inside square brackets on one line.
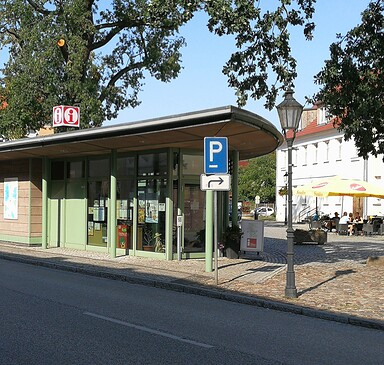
[(220, 294)]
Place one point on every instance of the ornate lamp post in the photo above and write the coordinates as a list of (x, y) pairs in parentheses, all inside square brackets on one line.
[(289, 111), (286, 197)]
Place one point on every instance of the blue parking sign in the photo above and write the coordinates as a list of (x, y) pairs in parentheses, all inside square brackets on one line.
[(215, 155)]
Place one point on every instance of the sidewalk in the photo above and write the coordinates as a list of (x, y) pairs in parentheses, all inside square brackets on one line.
[(333, 280)]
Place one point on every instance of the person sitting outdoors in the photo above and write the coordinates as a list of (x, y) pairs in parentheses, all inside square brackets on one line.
[(333, 223), (346, 220), (350, 225), (315, 217), (358, 224), (358, 219)]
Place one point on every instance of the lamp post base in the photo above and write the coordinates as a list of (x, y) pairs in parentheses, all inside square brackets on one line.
[(290, 292)]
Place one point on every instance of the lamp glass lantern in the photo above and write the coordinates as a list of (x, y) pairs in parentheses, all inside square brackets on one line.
[(289, 111)]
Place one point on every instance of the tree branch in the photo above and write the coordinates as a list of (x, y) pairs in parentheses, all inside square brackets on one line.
[(117, 27), (38, 8), (106, 39), (118, 75)]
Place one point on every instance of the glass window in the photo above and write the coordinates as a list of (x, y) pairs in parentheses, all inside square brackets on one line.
[(57, 170), (151, 214), (152, 164), (193, 164), (75, 169), (175, 163), (315, 153), (339, 148), (98, 167), (125, 192), (305, 154), (126, 166), (98, 192)]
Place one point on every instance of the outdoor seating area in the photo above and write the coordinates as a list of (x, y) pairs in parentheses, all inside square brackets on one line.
[(352, 224), (372, 226), (376, 226)]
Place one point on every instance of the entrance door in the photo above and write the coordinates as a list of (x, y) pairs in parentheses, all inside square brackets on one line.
[(358, 204), (75, 218), (55, 213), (194, 218)]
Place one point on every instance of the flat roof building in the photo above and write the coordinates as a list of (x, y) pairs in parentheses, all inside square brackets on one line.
[(119, 189)]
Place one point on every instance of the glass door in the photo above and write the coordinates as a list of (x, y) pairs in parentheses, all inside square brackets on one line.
[(194, 218), (98, 192)]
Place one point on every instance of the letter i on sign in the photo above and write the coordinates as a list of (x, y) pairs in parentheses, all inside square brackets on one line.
[(68, 116)]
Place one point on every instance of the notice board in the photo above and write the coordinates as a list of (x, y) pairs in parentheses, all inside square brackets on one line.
[(253, 237)]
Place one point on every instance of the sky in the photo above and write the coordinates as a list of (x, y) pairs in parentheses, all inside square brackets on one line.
[(201, 84)]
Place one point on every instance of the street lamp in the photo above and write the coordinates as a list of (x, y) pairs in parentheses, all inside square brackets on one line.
[(289, 111), (286, 196)]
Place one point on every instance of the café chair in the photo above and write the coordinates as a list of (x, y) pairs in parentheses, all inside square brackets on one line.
[(343, 229)]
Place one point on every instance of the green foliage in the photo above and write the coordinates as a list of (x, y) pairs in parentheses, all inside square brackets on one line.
[(353, 82), (232, 236), (258, 178), (108, 48)]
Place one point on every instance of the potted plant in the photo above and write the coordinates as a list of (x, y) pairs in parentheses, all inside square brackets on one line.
[(231, 240), (152, 242)]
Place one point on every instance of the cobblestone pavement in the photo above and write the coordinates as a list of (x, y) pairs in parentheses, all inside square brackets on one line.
[(331, 279)]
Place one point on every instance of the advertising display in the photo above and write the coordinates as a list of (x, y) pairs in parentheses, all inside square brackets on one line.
[(122, 236), (11, 197), (253, 237)]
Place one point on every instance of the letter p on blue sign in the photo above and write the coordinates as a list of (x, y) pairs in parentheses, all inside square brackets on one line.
[(215, 155)]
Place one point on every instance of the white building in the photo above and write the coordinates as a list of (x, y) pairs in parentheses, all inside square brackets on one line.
[(319, 151)]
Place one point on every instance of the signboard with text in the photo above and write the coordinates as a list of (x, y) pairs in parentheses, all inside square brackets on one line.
[(253, 237)]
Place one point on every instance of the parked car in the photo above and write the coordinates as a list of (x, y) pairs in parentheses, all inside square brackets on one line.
[(239, 215), (265, 211)]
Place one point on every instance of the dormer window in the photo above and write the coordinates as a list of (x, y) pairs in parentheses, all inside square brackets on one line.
[(323, 116)]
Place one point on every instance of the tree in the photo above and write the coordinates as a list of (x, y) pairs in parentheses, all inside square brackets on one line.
[(97, 54), (258, 178), (353, 82)]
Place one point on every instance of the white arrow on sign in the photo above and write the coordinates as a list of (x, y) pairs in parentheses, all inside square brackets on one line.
[(220, 182)]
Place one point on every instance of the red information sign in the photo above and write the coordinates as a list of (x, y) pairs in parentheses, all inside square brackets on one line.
[(251, 242), (66, 116)]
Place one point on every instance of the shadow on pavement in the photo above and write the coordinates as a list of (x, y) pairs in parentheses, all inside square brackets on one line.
[(337, 274)]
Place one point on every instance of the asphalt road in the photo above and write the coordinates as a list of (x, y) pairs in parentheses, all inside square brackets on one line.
[(55, 317)]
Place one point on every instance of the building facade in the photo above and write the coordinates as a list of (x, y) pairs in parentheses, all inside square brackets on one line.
[(319, 151), (121, 189)]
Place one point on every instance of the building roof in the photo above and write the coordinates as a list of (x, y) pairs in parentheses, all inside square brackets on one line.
[(248, 133), (313, 128)]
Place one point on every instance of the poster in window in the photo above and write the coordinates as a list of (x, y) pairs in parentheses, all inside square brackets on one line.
[(11, 197), (141, 215), (141, 211), (98, 214), (122, 209), (90, 228), (152, 211)]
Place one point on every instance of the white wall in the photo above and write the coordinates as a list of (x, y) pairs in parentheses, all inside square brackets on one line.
[(322, 155)]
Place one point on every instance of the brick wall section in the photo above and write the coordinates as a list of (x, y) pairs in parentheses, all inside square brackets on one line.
[(28, 222), (308, 116)]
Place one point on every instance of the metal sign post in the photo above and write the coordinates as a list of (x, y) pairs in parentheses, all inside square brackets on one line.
[(215, 237), (179, 228), (216, 178)]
